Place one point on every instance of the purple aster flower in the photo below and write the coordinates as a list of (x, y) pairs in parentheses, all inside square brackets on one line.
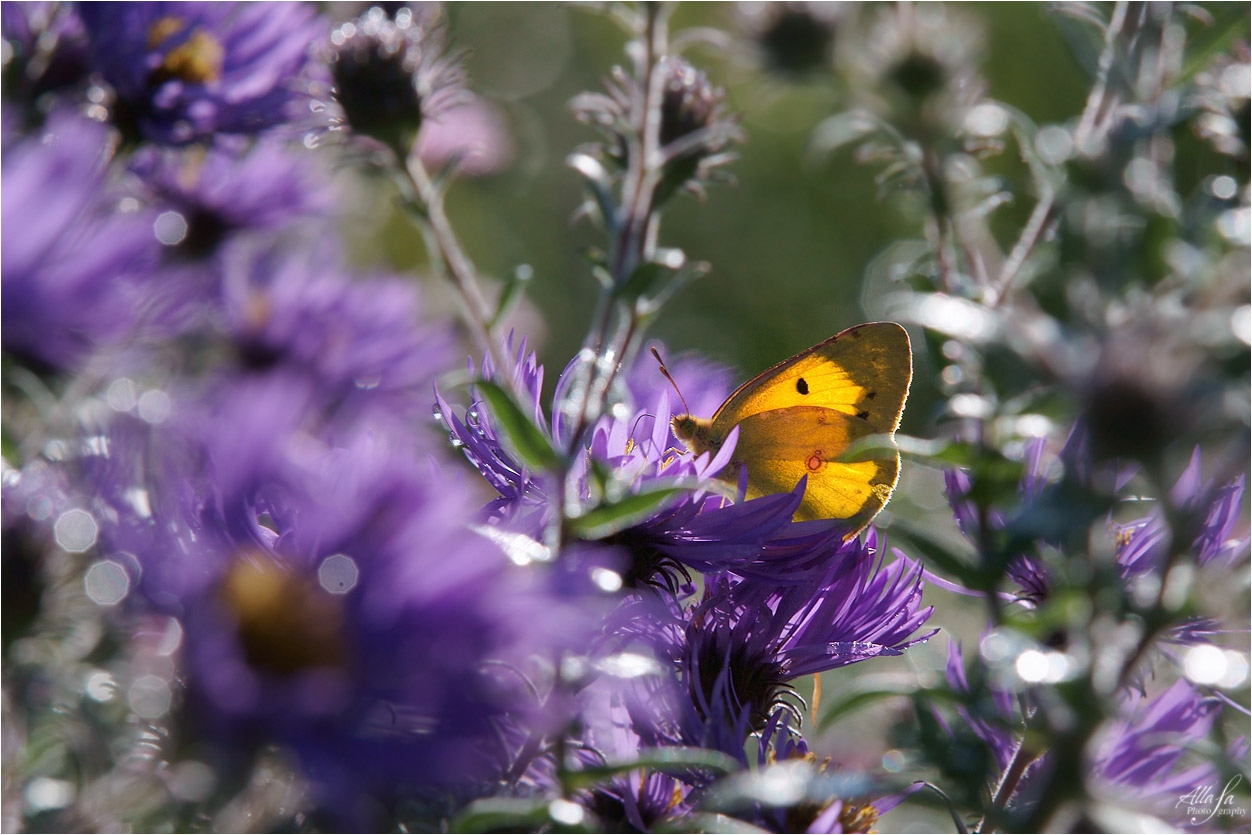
[(1137, 760), (206, 197), (701, 530), (77, 265), (620, 724), (47, 55), (1214, 511), (1030, 574), (333, 601), (753, 638), (360, 344), (522, 498), (182, 72)]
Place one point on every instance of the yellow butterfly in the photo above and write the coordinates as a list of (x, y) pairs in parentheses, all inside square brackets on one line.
[(798, 418)]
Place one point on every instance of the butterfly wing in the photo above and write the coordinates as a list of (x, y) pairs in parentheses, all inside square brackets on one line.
[(799, 416), (780, 446)]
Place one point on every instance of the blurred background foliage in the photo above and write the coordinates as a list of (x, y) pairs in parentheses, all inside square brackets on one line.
[(791, 244)]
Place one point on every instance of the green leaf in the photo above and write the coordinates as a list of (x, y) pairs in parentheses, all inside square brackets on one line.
[(841, 129), (513, 286), (936, 555), (665, 760), (612, 516), (509, 814), (1215, 39), (598, 181), (523, 438), (854, 701)]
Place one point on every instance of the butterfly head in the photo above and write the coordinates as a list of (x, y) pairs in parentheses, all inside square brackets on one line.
[(696, 433)]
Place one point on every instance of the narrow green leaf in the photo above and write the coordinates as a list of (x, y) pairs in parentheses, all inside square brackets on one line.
[(523, 438), (509, 814), (1212, 40), (936, 555), (853, 702), (599, 183), (610, 517), (513, 286), (666, 760)]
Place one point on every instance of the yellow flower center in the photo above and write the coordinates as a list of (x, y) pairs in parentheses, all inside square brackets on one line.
[(287, 623), (197, 60)]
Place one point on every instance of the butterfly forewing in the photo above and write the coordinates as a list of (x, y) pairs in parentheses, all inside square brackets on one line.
[(863, 371)]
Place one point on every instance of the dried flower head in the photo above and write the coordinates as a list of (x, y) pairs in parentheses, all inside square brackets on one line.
[(390, 73), (695, 131)]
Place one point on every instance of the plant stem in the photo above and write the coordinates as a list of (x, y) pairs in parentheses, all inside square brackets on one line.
[(446, 250)]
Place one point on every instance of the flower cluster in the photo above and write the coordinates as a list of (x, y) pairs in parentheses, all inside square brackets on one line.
[(276, 559)]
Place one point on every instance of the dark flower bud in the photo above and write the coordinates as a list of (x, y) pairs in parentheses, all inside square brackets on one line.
[(695, 132), (390, 74), (918, 75), (689, 101), (1126, 419), (793, 39)]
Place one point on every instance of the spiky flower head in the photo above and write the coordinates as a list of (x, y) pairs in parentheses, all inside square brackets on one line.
[(391, 73), (694, 133)]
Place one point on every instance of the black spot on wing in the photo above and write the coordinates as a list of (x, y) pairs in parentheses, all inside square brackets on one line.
[(871, 395), (863, 415), (802, 386)]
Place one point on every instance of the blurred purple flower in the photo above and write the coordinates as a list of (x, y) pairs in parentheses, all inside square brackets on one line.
[(361, 344), (1029, 573), (77, 267), (1140, 544), (334, 602), (1212, 509), (46, 55), (995, 733), (473, 132), (617, 722), (833, 802), (1137, 758), (182, 72), (206, 197)]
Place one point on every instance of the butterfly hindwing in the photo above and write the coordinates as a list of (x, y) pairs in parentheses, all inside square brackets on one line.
[(780, 446)]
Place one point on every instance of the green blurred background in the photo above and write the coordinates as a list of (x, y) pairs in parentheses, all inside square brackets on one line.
[(790, 243)]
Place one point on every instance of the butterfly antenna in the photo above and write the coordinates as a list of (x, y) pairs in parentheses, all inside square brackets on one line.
[(665, 371)]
